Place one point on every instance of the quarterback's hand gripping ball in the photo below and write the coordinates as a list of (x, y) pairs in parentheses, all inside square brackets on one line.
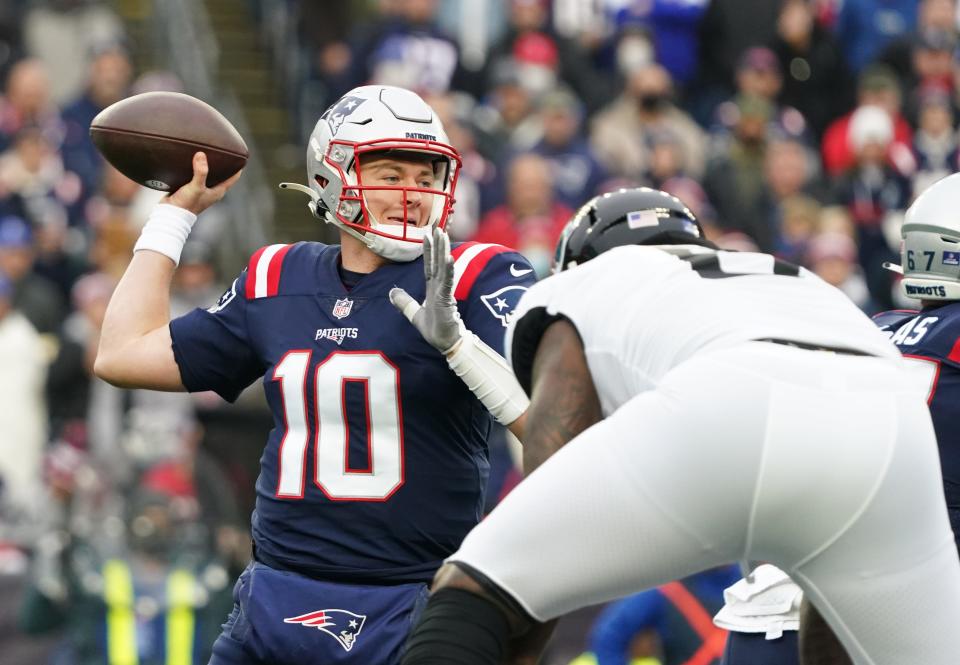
[(152, 138), (437, 319)]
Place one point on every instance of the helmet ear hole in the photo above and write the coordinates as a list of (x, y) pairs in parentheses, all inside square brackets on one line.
[(320, 180)]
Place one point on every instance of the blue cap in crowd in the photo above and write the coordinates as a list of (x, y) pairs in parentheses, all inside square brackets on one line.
[(15, 232)]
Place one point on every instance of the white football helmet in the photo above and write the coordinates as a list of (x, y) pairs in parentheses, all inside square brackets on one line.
[(930, 253), (370, 120)]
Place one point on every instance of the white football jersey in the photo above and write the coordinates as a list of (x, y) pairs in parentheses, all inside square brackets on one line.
[(641, 311)]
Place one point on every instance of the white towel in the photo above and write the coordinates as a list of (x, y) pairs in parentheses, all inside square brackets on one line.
[(769, 603)]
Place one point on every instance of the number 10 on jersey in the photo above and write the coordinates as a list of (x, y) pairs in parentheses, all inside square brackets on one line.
[(330, 434)]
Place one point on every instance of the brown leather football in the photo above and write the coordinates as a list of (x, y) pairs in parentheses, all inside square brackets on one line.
[(151, 138)]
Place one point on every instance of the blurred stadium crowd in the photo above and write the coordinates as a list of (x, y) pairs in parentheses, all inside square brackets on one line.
[(799, 127)]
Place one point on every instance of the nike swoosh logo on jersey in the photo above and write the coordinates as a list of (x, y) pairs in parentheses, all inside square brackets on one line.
[(519, 272)]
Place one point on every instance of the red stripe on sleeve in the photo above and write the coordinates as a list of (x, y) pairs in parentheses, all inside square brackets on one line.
[(955, 352), (477, 264), (251, 289), (273, 271), (457, 251)]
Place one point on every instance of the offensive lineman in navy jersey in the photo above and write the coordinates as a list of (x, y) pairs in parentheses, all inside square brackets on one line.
[(930, 337), (375, 468)]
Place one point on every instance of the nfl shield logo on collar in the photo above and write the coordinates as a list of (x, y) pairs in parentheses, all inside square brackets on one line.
[(342, 308)]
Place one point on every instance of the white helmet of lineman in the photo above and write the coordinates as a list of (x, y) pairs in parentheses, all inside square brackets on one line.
[(930, 253), (369, 120)]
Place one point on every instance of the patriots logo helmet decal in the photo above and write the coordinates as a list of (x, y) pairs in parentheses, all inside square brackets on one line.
[(341, 625), (340, 111)]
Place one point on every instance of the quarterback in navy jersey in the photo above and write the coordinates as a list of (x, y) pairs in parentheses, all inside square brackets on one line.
[(929, 337), (375, 469), (391, 483)]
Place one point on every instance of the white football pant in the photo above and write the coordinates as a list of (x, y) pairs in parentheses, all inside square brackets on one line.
[(822, 464)]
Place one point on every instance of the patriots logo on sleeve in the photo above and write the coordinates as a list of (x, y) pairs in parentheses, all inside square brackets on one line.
[(225, 299), (503, 302), (341, 625)]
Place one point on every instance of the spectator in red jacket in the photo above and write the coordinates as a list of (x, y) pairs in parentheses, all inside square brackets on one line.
[(531, 220), (877, 87)]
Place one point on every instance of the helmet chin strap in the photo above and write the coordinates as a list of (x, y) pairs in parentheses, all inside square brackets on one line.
[(393, 249)]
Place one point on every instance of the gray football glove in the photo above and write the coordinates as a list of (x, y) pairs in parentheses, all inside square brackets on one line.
[(437, 319)]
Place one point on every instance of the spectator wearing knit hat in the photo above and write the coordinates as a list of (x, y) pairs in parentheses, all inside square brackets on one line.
[(875, 194), (537, 60), (877, 86)]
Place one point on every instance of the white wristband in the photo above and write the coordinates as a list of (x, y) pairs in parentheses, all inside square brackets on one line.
[(166, 231), (487, 374)]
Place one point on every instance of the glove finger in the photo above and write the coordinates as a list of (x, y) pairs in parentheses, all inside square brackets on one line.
[(447, 277), (403, 302), (437, 246), (447, 264), (427, 257), (444, 242)]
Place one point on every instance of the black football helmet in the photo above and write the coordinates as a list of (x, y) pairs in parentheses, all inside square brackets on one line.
[(641, 216)]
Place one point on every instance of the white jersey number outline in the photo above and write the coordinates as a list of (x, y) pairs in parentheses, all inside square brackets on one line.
[(381, 379)]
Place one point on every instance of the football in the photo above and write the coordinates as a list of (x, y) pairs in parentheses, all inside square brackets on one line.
[(151, 138)]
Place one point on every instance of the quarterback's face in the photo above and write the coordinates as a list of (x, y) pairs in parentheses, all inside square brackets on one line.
[(396, 206)]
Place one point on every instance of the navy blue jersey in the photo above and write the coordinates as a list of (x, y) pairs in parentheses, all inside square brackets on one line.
[(374, 470), (931, 337)]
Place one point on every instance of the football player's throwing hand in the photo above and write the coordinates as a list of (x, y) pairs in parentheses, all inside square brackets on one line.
[(437, 318), (195, 196)]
